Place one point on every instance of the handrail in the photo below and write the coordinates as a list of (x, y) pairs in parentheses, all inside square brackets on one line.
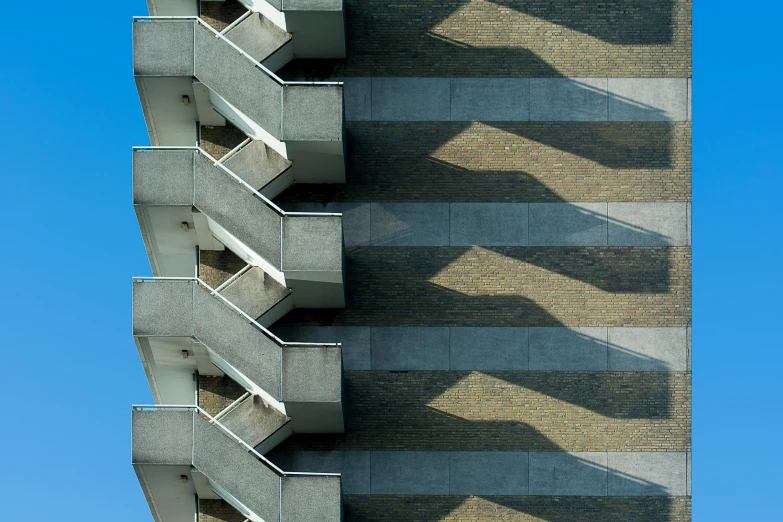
[(225, 411), (239, 180), (236, 22), (231, 434), (280, 342), (255, 62), (232, 278)]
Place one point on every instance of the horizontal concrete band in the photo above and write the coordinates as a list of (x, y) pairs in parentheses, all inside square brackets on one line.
[(499, 472), (503, 348), (510, 224), (517, 99)]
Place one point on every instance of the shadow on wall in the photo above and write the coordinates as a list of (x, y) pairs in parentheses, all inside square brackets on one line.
[(401, 161), (626, 22), (359, 508), (403, 39)]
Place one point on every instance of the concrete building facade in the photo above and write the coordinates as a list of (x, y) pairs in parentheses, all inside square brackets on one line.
[(415, 261)]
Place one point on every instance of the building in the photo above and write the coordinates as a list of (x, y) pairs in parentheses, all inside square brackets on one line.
[(415, 260)]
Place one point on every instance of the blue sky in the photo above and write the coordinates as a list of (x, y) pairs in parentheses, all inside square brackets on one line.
[(71, 244)]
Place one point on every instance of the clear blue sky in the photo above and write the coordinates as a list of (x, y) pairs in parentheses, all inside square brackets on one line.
[(71, 244)]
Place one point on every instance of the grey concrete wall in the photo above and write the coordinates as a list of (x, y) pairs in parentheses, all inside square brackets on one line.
[(162, 437), (238, 210), (311, 499), (235, 470), (510, 224), (313, 113), (253, 420), (503, 348), (498, 473), (163, 177), (163, 309), (221, 68), (163, 48), (312, 374), (237, 342), (517, 99), (313, 244)]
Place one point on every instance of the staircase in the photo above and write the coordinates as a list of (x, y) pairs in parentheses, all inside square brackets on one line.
[(301, 121), (180, 438), (190, 75), (302, 251)]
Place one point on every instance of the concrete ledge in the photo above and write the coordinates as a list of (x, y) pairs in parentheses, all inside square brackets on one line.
[(517, 99), (497, 472), (503, 348)]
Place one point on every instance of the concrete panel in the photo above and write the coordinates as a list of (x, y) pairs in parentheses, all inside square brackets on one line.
[(257, 164), (162, 437), (410, 224), (353, 465), (236, 341), (648, 99), (411, 99), (690, 99), (560, 473), (689, 224), (358, 98), (238, 210), (313, 113), (313, 243), (311, 499), (648, 349), (163, 48), (312, 374), (647, 474), (488, 473), (488, 348), (689, 475), (409, 473), (410, 348), (648, 224), (163, 177), (490, 99), (232, 76), (488, 224), (234, 470), (163, 308), (568, 349), (568, 99), (567, 224)]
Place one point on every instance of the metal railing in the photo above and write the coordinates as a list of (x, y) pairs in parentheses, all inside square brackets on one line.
[(213, 421), (221, 35)]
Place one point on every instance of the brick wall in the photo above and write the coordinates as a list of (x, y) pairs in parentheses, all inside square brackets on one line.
[(219, 141), (511, 38), (511, 162), (512, 286), (215, 394), (511, 411), (221, 14), (518, 509), (217, 511), (217, 266)]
